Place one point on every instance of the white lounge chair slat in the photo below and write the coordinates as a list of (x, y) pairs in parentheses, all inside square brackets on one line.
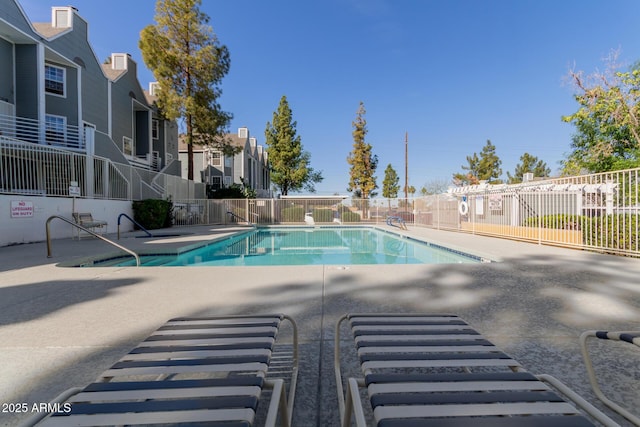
[(383, 328), (152, 418), (197, 354), (469, 410), (417, 337), (415, 387), (383, 364), (218, 331), (209, 341), (160, 370), (226, 321), (396, 319), (428, 349), (169, 393)]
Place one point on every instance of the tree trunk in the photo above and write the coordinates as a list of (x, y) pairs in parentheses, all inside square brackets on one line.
[(189, 149)]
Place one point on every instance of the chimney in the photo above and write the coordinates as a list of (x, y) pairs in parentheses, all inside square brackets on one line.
[(62, 17), (119, 61)]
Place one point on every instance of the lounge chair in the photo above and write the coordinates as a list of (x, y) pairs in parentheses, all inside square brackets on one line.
[(435, 370), (192, 370), (631, 337)]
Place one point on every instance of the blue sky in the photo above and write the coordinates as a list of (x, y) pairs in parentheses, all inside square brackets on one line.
[(451, 73)]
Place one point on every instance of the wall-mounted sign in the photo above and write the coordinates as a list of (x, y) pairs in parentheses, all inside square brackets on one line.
[(21, 209)]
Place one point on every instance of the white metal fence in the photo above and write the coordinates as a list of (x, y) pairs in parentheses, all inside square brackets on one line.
[(49, 132), (36, 169), (596, 212)]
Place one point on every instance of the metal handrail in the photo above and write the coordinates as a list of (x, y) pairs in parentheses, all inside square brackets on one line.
[(129, 251), (133, 221), (241, 218)]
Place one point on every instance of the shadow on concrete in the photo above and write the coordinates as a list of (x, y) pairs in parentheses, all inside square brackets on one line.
[(22, 303), (533, 307)]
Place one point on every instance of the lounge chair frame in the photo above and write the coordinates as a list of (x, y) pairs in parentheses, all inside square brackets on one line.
[(437, 342), (226, 361), (631, 337)]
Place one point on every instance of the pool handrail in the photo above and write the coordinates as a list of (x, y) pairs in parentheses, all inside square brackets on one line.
[(402, 225), (111, 242), (133, 221), (241, 218)]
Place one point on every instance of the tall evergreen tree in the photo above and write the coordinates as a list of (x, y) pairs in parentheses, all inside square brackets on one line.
[(189, 63), (390, 185), (485, 167), (529, 164), (289, 163), (362, 160)]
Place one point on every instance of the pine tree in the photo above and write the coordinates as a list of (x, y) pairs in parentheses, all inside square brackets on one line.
[(189, 63), (390, 185), (485, 167), (363, 162), (288, 161), (529, 164)]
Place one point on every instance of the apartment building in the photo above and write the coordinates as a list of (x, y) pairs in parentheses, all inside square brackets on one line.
[(54, 91), (249, 167)]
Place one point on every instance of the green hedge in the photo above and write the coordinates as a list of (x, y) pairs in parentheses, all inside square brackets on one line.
[(153, 213), (617, 231), (348, 216), (293, 214), (322, 215), (559, 221)]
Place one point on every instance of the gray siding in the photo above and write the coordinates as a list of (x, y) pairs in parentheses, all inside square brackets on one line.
[(66, 106), (10, 12), (27, 81), (75, 46), (6, 71), (123, 91)]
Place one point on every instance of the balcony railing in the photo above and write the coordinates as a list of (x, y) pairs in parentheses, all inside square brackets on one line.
[(43, 133)]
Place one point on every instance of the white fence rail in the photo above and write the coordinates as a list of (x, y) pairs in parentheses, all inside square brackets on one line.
[(35, 169), (598, 212), (46, 133)]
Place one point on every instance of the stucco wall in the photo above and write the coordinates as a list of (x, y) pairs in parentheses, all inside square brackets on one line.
[(27, 229)]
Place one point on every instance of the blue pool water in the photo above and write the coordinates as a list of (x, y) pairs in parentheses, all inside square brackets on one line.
[(308, 246)]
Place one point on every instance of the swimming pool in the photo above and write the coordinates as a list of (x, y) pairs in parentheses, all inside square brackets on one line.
[(307, 246)]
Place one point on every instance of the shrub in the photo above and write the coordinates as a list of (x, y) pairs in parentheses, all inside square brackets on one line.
[(348, 216), (322, 215), (558, 221), (618, 231), (293, 214), (153, 213)]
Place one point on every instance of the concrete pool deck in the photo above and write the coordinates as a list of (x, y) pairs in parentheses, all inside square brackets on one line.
[(61, 327)]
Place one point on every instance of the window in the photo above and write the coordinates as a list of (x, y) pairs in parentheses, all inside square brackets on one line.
[(127, 146), (215, 182), (216, 158), (154, 129), (55, 129), (228, 162), (227, 181), (54, 80)]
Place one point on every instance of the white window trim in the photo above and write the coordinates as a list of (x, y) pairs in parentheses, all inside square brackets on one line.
[(155, 128), (64, 129), (64, 81), (216, 161)]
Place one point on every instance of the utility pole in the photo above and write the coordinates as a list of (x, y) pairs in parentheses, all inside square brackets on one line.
[(406, 167)]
